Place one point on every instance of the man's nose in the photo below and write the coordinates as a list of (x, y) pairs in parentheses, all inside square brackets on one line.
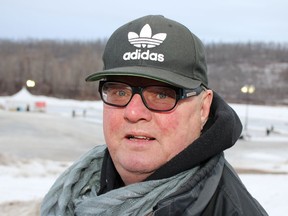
[(136, 110)]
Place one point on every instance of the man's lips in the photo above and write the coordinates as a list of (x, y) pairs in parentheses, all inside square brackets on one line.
[(139, 137)]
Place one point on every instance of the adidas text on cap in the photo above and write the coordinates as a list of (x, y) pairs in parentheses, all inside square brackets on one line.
[(157, 48)]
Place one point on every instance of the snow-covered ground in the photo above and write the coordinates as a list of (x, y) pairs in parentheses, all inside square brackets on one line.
[(36, 147)]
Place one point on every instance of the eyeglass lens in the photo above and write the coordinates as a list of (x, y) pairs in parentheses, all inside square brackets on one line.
[(161, 98)]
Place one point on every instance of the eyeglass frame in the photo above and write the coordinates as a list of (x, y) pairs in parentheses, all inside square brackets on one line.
[(181, 93)]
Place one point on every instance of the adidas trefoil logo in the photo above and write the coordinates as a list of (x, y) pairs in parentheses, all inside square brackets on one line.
[(145, 40)]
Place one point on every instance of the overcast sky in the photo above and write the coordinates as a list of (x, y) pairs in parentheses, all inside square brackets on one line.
[(210, 20)]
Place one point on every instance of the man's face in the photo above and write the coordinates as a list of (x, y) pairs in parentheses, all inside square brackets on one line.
[(140, 141)]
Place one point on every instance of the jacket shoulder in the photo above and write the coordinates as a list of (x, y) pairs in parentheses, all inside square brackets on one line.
[(232, 198)]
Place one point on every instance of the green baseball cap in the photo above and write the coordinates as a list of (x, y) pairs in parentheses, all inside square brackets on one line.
[(157, 48)]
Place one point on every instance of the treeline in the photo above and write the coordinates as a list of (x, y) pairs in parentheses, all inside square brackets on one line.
[(59, 69), (263, 65)]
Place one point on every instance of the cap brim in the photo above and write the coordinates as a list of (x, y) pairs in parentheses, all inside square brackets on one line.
[(147, 72)]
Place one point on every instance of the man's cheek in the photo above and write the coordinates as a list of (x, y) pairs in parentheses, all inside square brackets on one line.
[(169, 125), (111, 121)]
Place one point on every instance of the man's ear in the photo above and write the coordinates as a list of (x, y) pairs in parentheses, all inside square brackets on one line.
[(207, 98)]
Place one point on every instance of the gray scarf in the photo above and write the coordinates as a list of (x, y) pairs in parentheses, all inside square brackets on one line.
[(74, 192)]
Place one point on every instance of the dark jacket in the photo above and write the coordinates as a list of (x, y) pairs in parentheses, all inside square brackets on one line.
[(208, 195)]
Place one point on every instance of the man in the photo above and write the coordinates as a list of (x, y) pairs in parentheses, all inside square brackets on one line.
[(165, 132)]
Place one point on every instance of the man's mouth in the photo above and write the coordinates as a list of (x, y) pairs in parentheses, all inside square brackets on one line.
[(135, 137)]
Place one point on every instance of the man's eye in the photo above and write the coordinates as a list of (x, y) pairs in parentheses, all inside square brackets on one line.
[(121, 93), (162, 95)]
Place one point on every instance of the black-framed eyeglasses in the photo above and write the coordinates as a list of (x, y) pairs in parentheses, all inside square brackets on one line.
[(155, 98)]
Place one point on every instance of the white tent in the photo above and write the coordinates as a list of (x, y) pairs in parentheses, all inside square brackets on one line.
[(25, 101)]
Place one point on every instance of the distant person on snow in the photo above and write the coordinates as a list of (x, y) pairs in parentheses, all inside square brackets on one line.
[(165, 134)]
